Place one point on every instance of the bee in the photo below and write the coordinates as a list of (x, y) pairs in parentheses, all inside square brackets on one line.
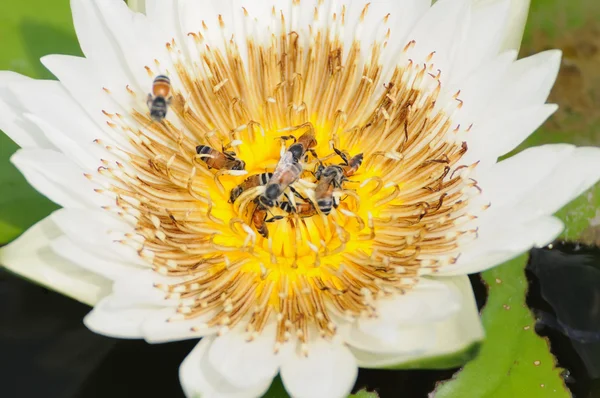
[(351, 165), (306, 142), (329, 178), (259, 220), (305, 209), (250, 182), (287, 172), (160, 98), (225, 160), (288, 169), (332, 177)]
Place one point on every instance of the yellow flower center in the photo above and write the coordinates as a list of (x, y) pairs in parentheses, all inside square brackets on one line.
[(398, 217)]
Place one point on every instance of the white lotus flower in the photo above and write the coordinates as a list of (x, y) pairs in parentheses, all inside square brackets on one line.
[(147, 234)]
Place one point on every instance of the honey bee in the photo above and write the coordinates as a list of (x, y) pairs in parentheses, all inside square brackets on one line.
[(259, 220), (225, 160), (160, 98), (250, 182), (305, 209), (351, 165), (332, 177), (329, 178), (288, 169), (305, 143)]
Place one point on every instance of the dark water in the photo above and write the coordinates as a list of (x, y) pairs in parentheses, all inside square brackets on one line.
[(45, 351), (564, 294)]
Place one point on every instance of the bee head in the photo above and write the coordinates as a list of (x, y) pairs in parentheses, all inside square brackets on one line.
[(319, 172), (266, 202), (239, 165), (296, 150), (235, 193), (272, 192)]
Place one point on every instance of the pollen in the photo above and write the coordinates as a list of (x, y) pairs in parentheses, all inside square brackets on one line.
[(194, 183)]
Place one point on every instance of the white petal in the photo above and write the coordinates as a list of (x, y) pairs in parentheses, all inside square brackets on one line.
[(428, 301), (164, 15), (110, 269), (65, 114), (404, 16), (500, 135), (519, 9), (329, 371), (138, 40), (382, 338), (521, 173), (140, 288), (542, 180), (111, 319), (21, 131), (528, 82), (504, 244), (49, 189), (58, 178), (476, 87), (442, 29), (242, 363), (101, 49), (452, 335), (77, 75), (199, 379), (399, 325), (30, 256), (167, 325), (571, 178), (484, 37), (100, 234)]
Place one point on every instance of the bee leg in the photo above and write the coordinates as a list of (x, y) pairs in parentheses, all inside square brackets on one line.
[(149, 100), (319, 171), (342, 155), (287, 137), (314, 153), (292, 201), (298, 194), (274, 218)]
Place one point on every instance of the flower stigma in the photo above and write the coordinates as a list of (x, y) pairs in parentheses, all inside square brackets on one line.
[(376, 196)]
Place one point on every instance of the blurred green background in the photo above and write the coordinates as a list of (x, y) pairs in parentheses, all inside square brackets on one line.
[(32, 28)]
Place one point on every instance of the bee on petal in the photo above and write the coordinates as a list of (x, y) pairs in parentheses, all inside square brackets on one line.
[(160, 98)]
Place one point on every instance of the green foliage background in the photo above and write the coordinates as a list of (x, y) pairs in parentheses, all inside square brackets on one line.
[(507, 364)]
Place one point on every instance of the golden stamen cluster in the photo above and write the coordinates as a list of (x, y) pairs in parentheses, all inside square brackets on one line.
[(400, 216)]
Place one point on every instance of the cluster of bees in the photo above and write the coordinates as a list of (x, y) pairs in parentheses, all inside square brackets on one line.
[(278, 185)]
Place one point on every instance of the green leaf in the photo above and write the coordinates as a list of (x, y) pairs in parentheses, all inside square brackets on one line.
[(278, 391), (507, 365), (513, 360), (364, 394), (30, 29)]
